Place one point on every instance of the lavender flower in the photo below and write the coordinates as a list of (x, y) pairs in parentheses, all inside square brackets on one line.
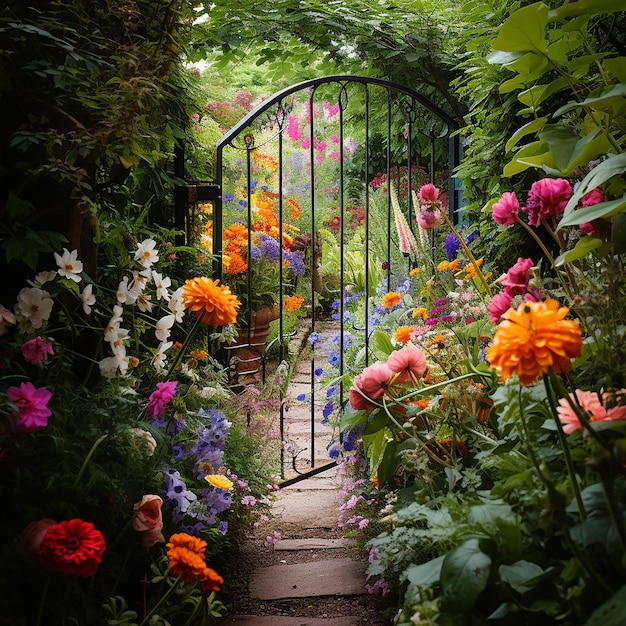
[(270, 249)]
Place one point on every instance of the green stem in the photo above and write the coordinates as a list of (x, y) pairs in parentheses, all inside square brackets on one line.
[(565, 447), (42, 602), (468, 253), (162, 599), (94, 447)]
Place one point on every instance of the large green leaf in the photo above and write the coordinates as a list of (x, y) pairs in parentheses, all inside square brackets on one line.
[(388, 464), (381, 345), (524, 30), (425, 574), (569, 150), (617, 67), (611, 613), (517, 164), (587, 7), (464, 574), (583, 247), (536, 94), (614, 165), (614, 94), (520, 575), (594, 212)]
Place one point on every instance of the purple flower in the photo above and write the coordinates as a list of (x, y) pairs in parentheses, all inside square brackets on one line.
[(446, 319), (432, 321), (314, 339), (332, 391), (255, 252), (228, 197), (327, 411), (319, 371), (223, 527), (451, 246), (248, 500), (270, 249), (296, 261)]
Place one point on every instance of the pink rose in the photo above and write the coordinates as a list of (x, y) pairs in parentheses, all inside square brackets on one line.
[(547, 198), (506, 209), (148, 513), (33, 535), (409, 363), (428, 193), (499, 304), (37, 350), (516, 280)]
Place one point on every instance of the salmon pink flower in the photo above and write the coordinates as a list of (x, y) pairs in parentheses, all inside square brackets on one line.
[(32, 404), (148, 521), (593, 404), (35, 305), (7, 318), (370, 384), (408, 363)]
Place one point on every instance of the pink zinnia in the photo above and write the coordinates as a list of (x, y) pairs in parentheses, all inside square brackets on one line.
[(32, 404), (547, 198), (593, 404), (409, 363), (505, 211), (37, 350), (160, 397), (428, 193), (499, 305), (516, 280)]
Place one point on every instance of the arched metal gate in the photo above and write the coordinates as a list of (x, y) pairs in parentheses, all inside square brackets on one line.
[(319, 156)]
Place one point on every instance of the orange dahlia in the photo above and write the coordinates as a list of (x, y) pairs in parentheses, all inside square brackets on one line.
[(534, 339), (391, 299), (213, 304), (293, 303), (186, 557), (403, 334)]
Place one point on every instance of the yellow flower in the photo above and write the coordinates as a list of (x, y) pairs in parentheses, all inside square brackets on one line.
[(213, 304), (391, 299), (219, 481), (534, 339), (420, 312), (415, 271), (443, 266)]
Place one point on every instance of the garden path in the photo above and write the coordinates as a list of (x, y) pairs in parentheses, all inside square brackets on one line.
[(312, 576)]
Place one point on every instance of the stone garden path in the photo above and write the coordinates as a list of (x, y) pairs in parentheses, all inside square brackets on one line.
[(312, 576)]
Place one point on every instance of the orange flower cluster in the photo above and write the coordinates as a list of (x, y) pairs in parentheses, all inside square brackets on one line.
[(213, 304), (293, 303), (264, 160), (391, 299), (535, 339), (186, 560), (403, 334)]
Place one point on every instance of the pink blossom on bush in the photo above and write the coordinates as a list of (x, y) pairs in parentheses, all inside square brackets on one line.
[(499, 304), (160, 397), (594, 196), (506, 209), (547, 198), (516, 280), (293, 128), (32, 404), (37, 350), (408, 363)]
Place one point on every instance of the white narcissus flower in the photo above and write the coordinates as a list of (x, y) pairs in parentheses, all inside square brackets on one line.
[(117, 341), (114, 323), (146, 254), (69, 265), (42, 278), (122, 291), (176, 305), (35, 305), (161, 284), (88, 298), (143, 302), (160, 358), (163, 327)]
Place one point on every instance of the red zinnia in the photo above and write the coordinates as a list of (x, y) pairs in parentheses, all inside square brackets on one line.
[(73, 548)]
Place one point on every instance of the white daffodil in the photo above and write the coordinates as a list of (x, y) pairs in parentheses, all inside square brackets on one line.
[(35, 305), (88, 298), (114, 323), (163, 327), (122, 291), (143, 302), (161, 283), (160, 358), (146, 254), (176, 305), (69, 265)]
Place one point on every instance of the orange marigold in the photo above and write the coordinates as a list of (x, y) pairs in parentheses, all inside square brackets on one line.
[(211, 580), (403, 334), (294, 209), (213, 304), (391, 299), (415, 271), (293, 303), (420, 312), (186, 556), (534, 339), (233, 260)]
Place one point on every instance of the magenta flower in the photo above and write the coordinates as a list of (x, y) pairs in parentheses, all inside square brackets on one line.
[(499, 304), (547, 198), (37, 350), (516, 280), (32, 404), (428, 193), (160, 397), (505, 211), (409, 363)]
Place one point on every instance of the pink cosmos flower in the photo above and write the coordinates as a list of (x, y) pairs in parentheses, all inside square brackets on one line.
[(499, 304), (160, 397), (516, 280), (32, 404), (37, 350), (547, 198), (506, 209), (428, 193), (593, 404), (409, 363)]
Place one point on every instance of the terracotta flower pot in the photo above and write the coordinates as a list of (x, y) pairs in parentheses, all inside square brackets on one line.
[(246, 355)]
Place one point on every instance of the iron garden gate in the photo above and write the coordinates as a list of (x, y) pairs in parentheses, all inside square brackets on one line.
[(326, 147)]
